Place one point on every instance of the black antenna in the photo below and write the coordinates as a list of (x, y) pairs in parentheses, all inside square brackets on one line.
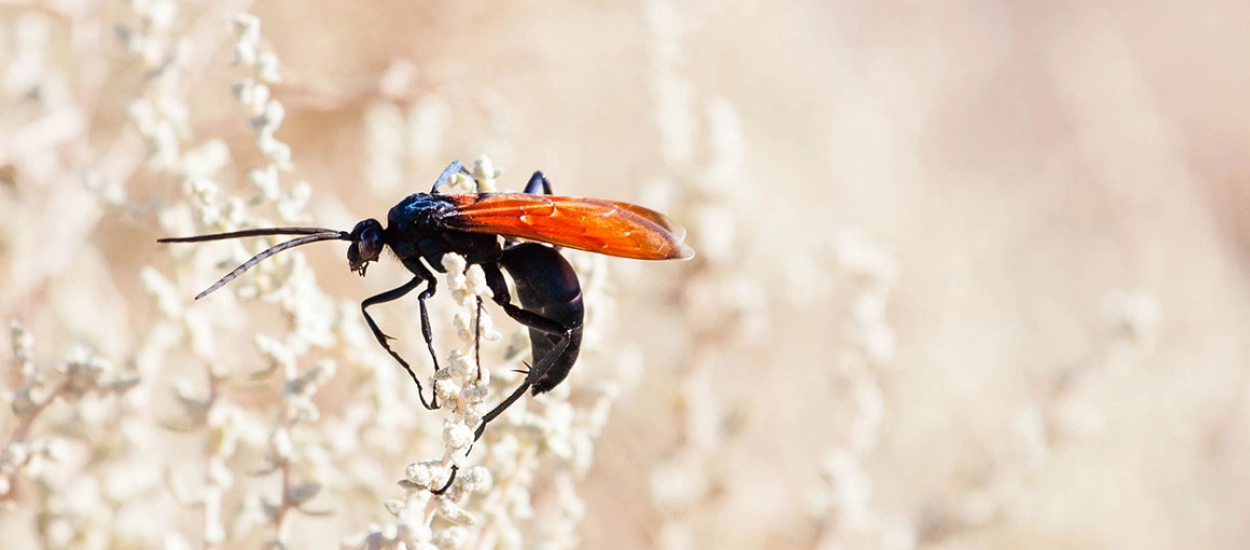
[(314, 234)]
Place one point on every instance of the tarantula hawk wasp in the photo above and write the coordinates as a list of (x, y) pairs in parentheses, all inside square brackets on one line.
[(425, 226)]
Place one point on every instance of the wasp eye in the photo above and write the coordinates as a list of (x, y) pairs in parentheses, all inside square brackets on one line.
[(366, 245)]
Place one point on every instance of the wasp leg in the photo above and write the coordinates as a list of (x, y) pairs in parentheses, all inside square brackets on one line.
[(536, 181), (448, 172), (477, 339), (535, 322), (390, 296), (427, 332), (547, 353), (443, 490), (541, 366)]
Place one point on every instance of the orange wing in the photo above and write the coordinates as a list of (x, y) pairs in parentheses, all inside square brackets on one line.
[(595, 225)]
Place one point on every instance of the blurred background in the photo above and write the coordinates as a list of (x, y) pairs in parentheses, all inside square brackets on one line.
[(970, 274)]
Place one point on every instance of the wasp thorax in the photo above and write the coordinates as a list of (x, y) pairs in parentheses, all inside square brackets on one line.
[(366, 245)]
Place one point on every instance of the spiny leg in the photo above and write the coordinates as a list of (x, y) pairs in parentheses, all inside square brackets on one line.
[(536, 181), (389, 296), (450, 480), (535, 321), (500, 408), (428, 332), (448, 172), (541, 364), (477, 339)]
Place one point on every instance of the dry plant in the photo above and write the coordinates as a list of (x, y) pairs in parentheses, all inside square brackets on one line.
[(968, 276), (240, 437)]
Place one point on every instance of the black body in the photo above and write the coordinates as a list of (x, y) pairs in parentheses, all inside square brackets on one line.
[(419, 234), (546, 285)]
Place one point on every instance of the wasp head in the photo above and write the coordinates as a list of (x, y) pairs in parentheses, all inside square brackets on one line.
[(366, 245)]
